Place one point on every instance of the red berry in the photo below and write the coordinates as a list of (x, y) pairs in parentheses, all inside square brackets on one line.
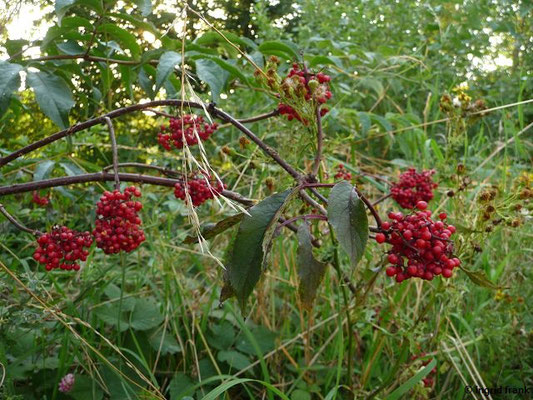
[(421, 205), (447, 273), (413, 187), (391, 271), (443, 216), (380, 237)]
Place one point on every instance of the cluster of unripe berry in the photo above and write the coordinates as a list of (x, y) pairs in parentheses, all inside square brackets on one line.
[(413, 187), (421, 247), (62, 247), (118, 225), (188, 129), (200, 189), (342, 173), (67, 383), (40, 200), (305, 85)]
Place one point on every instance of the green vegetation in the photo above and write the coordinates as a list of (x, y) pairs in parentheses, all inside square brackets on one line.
[(289, 299)]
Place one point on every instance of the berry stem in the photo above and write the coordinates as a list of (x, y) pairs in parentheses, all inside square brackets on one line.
[(16, 223), (370, 207), (113, 150), (382, 198)]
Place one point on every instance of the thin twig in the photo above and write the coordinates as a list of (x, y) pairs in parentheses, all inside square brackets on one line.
[(17, 223), (370, 207), (382, 198), (113, 150)]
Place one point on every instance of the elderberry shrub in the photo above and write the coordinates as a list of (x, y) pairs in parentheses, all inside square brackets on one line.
[(421, 247), (118, 225), (190, 127), (200, 189), (412, 187), (61, 247), (307, 86)]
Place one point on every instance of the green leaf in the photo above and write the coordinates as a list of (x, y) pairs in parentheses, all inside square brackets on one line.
[(234, 359), (43, 170), (212, 74), (211, 231), (61, 8), (386, 125), (480, 278), (145, 315), (366, 123), (145, 82), (123, 36), (70, 47), (246, 258), (71, 169), (14, 47), (165, 67), (347, 216), (324, 60), (85, 388), (110, 315), (398, 393), (310, 271), (233, 70), (53, 96), (145, 7), (274, 47), (9, 82), (166, 345), (181, 385), (374, 84)]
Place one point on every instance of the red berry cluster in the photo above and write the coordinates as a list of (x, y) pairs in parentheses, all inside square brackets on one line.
[(421, 247), (413, 187), (342, 173), (200, 189), (428, 380), (61, 247), (189, 128), (306, 85), (40, 200), (118, 226)]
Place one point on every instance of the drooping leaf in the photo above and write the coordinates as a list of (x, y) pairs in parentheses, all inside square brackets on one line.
[(480, 278), (211, 231), (212, 74), (70, 47), (246, 257), (275, 47), (14, 47), (165, 67), (310, 270), (145, 82), (145, 7), (347, 216), (43, 170), (53, 96), (145, 315), (9, 82)]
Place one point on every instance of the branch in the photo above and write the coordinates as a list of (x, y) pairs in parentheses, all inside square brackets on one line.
[(87, 57), (17, 223), (370, 207), (165, 171), (382, 198), (266, 148), (114, 151)]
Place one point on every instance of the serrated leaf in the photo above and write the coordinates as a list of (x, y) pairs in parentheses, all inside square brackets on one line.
[(212, 74), (246, 257), (43, 170), (480, 278), (53, 96), (9, 82), (310, 271), (145, 315), (383, 122), (269, 47), (165, 67), (145, 7), (211, 231), (347, 216)]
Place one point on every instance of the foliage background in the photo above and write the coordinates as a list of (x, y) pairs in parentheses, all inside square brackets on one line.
[(390, 63)]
